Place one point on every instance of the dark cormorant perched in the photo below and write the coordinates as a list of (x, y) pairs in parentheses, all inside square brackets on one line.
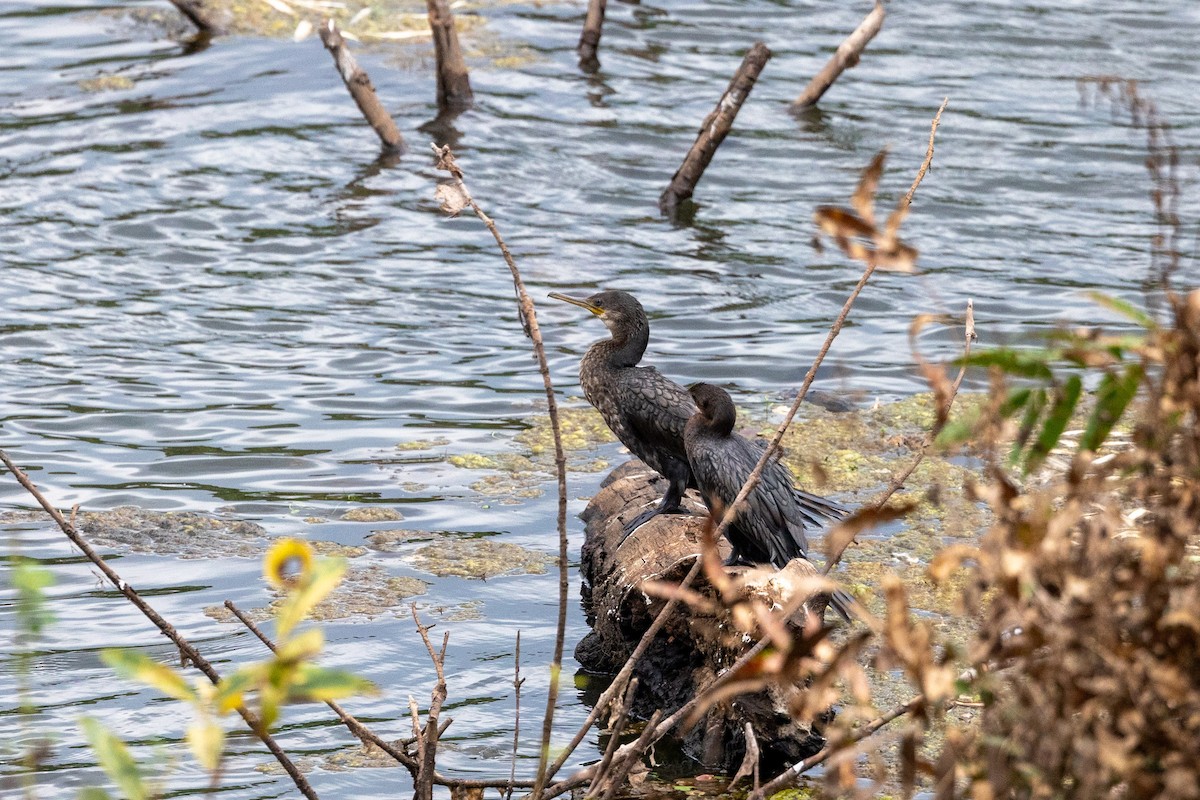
[(770, 528), (646, 411)]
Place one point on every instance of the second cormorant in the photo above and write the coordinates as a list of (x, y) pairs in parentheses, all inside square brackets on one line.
[(770, 528), (645, 410)]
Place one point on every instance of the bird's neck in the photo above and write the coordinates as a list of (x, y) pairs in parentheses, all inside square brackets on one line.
[(722, 419), (626, 347)]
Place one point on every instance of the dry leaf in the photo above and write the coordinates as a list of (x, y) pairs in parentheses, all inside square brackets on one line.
[(452, 198)]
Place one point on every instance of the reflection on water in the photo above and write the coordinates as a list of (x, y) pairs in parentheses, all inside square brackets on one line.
[(219, 298)]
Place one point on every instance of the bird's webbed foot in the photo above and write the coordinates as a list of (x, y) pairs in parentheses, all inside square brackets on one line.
[(669, 505)]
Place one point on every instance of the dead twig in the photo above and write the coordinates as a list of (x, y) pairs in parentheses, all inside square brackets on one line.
[(788, 777), (749, 767), (186, 649), (455, 197), (714, 129), (517, 681), (626, 671), (367, 736), (862, 200), (845, 57), (423, 785), (614, 739), (361, 89), (937, 120)]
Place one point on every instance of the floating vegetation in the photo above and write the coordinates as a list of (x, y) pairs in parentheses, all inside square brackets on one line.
[(106, 83), (393, 541), (364, 593), (423, 444), (185, 534), (363, 756), (523, 475), (467, 611), (479, 558), (375, 22), (372, 514)]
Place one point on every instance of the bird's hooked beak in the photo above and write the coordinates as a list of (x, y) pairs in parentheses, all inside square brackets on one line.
[(577, 302)]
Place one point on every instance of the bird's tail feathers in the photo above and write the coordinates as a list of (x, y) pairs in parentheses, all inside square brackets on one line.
[(845, 605), (818, 510)]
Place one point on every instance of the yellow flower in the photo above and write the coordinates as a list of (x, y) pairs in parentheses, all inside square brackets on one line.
[(286, 562)]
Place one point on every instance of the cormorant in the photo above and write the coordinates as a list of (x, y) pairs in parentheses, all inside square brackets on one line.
[(770, 527), (645, 410)]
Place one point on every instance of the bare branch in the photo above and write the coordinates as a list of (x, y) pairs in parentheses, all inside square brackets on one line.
[(845, 57), (772, 448), (447, 162), (714, 129), (359, 84), (626, 670), (517, 681), (937, 120), (185, 647), (589, 40), (788, 777)]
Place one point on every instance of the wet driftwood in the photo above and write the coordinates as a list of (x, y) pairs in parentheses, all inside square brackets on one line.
[(453, 85), (692, 648), (359, 84), (589, 40), (714, 129), (200, 16), (845, 57)]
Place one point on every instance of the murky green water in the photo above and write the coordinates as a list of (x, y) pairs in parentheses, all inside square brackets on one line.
[(217, 299)]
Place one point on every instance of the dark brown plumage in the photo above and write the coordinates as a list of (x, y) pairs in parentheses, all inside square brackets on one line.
[(770, 528), (645, 410)]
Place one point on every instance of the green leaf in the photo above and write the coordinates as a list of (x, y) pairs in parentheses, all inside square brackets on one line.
[(31, 580), (318, 683), (1065, 400), (302, 646), (1027, 363), (207, 740), (232, 689), (1125, 309), (136, 666), (115, 759), (93, 793), (1016, 400), (1033, 412), (957, 431), (315, 586), (1112, 397)]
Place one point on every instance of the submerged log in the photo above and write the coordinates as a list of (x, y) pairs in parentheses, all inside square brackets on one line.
[(589, 40), (846, 56), (453, 83), (359, 84), (714, 129), (199, 15), (693, 648)]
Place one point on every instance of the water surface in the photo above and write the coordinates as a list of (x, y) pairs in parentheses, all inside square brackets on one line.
[(218, 298)]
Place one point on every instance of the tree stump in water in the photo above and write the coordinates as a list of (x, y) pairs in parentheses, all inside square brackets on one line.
[(692, 648)]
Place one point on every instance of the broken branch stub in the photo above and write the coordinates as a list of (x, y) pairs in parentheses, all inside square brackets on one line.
[(589, 40), (714, 129), (453, 85), (359, 84), (845, 57), (195, 11)]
